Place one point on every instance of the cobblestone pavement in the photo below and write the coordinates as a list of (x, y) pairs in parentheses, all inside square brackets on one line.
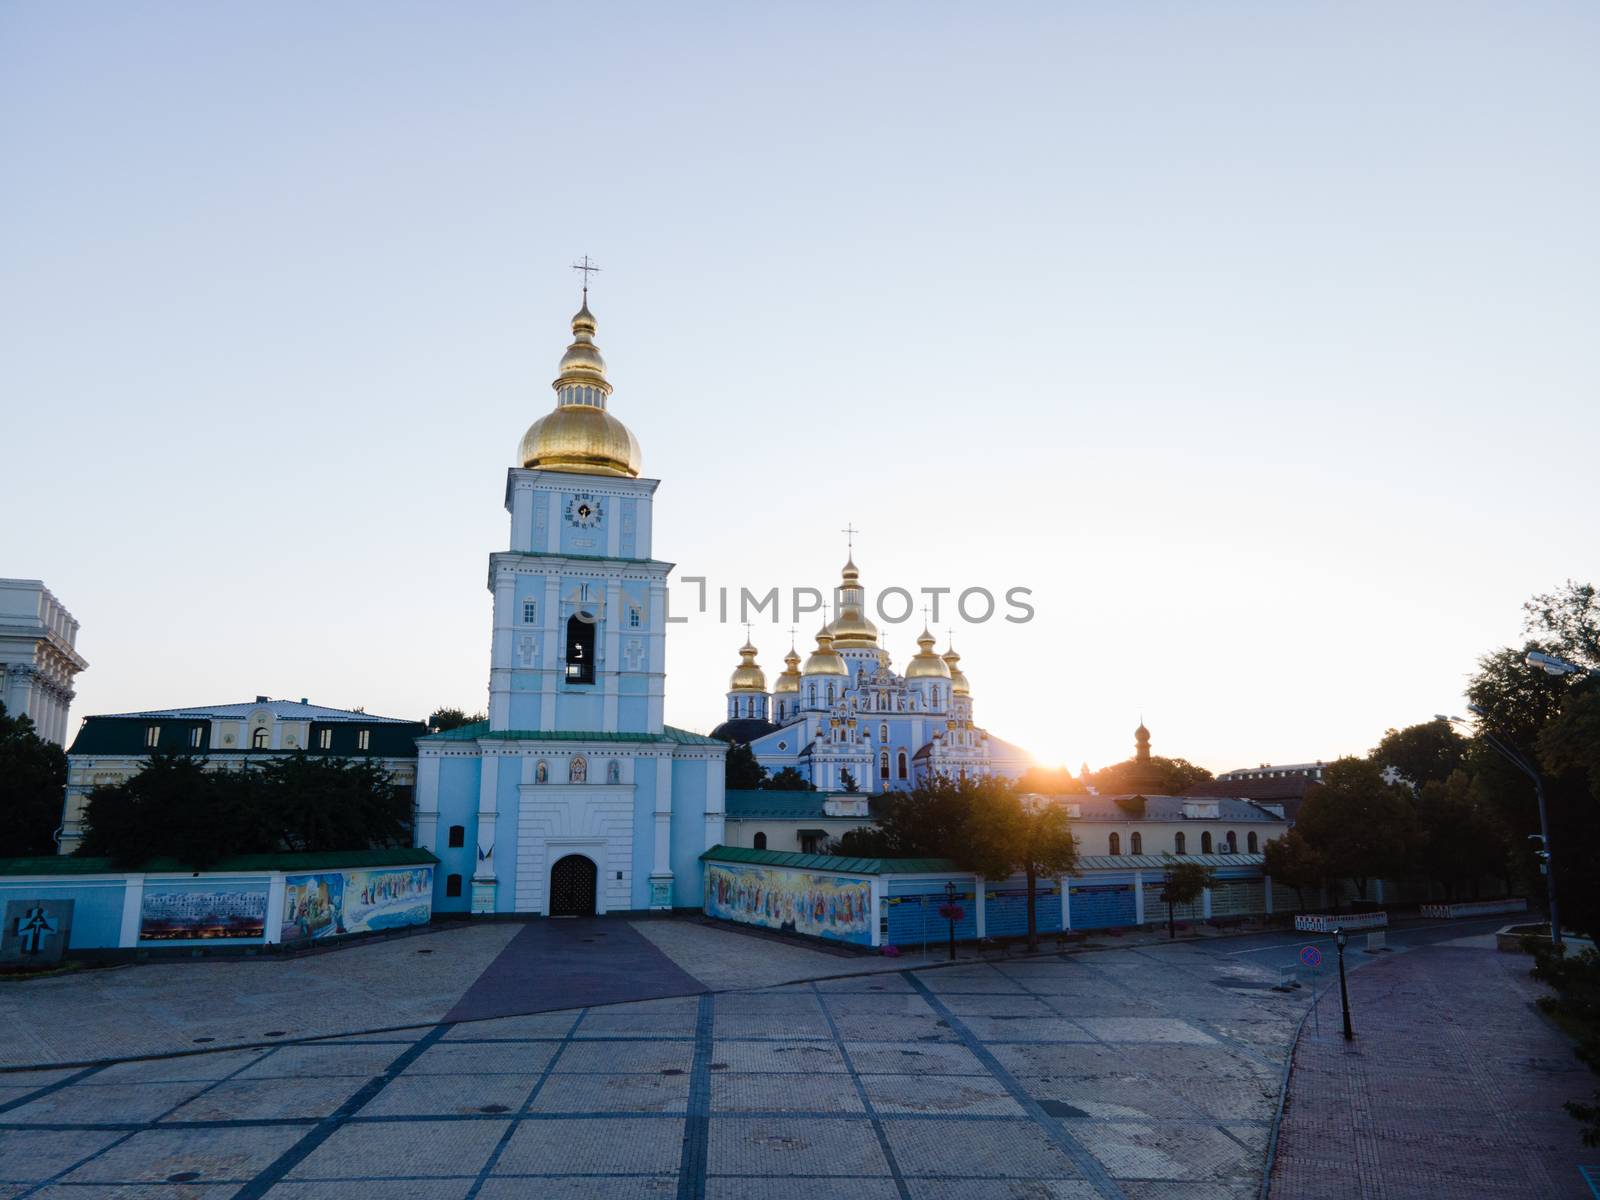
[(1452, 1087), (1142, 1072)]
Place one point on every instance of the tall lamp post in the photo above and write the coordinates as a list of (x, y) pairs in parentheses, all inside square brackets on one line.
[(1546, 860)]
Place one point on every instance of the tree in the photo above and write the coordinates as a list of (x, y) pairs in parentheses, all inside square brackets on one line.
[(1363, 827), (1183, 883), (1423, 753), (175, 808), (33, 786), (1291, 861), (848, 781), (1174, 776), (1038, 839), (1050, 781), (1460, 840), (744, 773), (789, 780), (442, 719)]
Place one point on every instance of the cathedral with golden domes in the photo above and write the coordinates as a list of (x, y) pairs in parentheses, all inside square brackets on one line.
[(846, 716)]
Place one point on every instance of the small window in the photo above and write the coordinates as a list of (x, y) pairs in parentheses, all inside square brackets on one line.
[(761, 841), (364, 739), (809, 843), (259, 739), (196, 735), (1205, 842), (900, 764), (1251, 844), (452, 885), (458, 836), (1177, 844), (1116, 844), (613, 771), (1135, 844), (530, 612), (883, 733), (1233, 842), (152, 735), (883, 764), (635, 617), (325, 739)]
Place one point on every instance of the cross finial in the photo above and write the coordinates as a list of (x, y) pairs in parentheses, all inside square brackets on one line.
[(924, 616), (588, 268), (747, 634), (792, 631), (850, 532)]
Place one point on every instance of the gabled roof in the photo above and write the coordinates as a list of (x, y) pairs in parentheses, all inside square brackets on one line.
[(283, 710), (829, 862), (480, 729)]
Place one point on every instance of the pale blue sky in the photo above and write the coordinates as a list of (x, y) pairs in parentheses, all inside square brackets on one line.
[(1258, 340)]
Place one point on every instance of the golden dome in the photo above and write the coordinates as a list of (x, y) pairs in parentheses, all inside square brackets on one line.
[(789, 681), (580, 436), (851, 629), (958, 681), (747, 676), (825, 659), (925, 664)]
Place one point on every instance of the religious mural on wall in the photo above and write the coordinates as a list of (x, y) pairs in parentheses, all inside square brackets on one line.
[(177, 913), (337, 902), (830, 906)]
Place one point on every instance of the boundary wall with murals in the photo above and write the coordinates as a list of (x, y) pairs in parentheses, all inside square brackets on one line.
[(254, 900)]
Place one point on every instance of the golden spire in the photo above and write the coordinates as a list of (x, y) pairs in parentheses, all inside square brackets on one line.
[(789, 680), (925, 664), (580, 436)]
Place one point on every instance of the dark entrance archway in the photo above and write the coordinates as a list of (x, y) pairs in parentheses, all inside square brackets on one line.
[(572, 887)]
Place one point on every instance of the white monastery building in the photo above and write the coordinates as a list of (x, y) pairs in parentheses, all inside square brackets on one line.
[(38, 656)]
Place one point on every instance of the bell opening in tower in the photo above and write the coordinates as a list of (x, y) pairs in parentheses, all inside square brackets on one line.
[(580, 648)]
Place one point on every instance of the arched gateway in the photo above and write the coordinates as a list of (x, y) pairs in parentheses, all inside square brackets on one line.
[(572, 887)]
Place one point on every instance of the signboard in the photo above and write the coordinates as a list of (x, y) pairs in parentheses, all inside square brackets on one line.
[(36, 931), (202, 914), (1311, 956)]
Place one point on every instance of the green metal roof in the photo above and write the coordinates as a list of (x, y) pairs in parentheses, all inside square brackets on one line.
[(1159, 862), (480, 729), (68, 864), (830, 862)]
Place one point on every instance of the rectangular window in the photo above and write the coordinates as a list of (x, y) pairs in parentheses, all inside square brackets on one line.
[(530, 612), (364, 739), (633, 616), (195, 735), (152, 735), (325, 739)]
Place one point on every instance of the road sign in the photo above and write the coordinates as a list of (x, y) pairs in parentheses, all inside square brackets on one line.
[(1311, 956)]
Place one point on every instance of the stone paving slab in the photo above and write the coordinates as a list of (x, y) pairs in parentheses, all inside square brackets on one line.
[(1453, 1086)]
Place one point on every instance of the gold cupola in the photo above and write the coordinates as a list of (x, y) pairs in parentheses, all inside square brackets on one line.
[(925, 664), (851, 629), (580, 436), (958, 681), (747, 676), (825, 659), (789, 682)]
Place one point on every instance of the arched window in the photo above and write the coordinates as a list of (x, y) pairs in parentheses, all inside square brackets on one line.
[(883, 732), (1205, 842), (541, 772), (580, 648), (1135, 844), (761, 841), (900, 764), (830, 693), (613, 771), (1233, 841), (458, 836), (811, 694), (883, 764), (259, 739), (1116, 844), (1250, 842), (578, 770), (1177, 844), (749, 706), (452, 885)]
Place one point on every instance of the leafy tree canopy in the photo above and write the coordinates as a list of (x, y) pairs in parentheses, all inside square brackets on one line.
[(1363, 827), (1423, 753), (789, 780), (443, 719), (33, 786), (1183, 882), (1295, 863), (743, 771), (1174, 776)]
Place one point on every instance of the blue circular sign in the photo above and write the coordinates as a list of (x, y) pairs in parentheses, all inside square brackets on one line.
[(1311, 956)]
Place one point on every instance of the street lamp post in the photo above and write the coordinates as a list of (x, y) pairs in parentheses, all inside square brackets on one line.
[(1546, 857), (950, 914), (1344, 992)]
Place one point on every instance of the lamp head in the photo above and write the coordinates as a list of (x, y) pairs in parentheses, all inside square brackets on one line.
[(1549, 663), (1338, 936)]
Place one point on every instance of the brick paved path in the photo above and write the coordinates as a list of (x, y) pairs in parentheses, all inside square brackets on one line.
[(1453, 1087)]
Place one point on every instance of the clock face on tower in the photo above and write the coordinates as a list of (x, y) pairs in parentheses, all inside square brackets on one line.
[(584, 511)]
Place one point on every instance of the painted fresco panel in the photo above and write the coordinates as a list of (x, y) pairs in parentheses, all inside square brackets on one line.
[(330, 903), (179, 912), (830, 906)]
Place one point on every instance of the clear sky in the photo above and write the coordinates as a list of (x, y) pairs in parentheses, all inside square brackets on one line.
[(1258, 340)]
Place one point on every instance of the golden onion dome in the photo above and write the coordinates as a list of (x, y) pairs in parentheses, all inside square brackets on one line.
[(851, 629), (825, 659), (747, 676), (958, 681), (925, 664), (580, 436), (789, 681)]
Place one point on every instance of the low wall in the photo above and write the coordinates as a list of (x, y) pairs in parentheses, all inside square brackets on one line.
[(81, 904), (1473, 908), (1324, 923)]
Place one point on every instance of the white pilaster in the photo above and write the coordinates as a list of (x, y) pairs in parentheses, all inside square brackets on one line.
[(484, 880), (1138, 897), (132, 905)]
